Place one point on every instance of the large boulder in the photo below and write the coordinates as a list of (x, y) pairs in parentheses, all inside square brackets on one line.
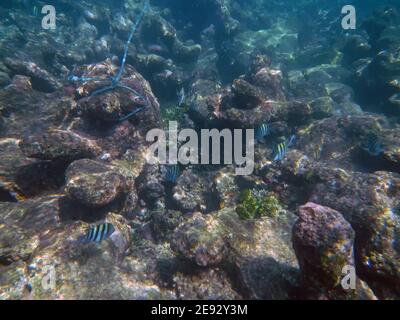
[(258, 252)]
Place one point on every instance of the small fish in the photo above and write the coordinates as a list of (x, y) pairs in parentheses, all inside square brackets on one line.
[(262, 131), (372, 145), (172, 173), (156, 48), (99, 233), (89, 15), (181, 97), (167, 73), (281, 148), (7, 190), (17, 196)]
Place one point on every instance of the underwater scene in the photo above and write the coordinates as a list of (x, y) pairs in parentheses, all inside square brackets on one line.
[(199, 150)]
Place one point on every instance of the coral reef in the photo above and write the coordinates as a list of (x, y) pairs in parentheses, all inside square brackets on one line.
[(77, 102)]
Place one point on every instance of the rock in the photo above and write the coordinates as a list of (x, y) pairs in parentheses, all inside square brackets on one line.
[(226, 188), (23, 225), (93, 184), (207, 285), (376, 25), (27, 111), (190, 192), (339, 140), (348, 107), (163, 223), (356, 47), (113, 104), (317, 76), (11, 159), (64, 145), (369, 202), (339, 91), (4, 79), (376, 80), (369, 207), (323, 241), (323, 107), (149, 186), (41, 79), (246, 95), (198, 103), (156, 26), (316, 54), (91, 271), (200, 240), (258, 252), (240, 118)]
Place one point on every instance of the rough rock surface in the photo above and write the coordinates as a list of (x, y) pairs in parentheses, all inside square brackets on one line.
[(258, 252), (93, 184), (323, 241)]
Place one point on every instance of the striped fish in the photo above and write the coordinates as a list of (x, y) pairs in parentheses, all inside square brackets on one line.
[(99, 233), (372, 145), (262, 131), (172, 173), (281, 148)]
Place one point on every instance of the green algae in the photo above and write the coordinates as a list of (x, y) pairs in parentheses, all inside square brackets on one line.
[(173, 113), (253, 205)]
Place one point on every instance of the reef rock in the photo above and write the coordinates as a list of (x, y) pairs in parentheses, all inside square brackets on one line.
[(199, 239), (100, 100), (323, 241), (93, 184), (258, 252), (41, 79), (64, 145), (369, 202)]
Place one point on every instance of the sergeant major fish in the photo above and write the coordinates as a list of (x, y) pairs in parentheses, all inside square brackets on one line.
[(262, 131), (98, 233), (281, 148), (172, 173)]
